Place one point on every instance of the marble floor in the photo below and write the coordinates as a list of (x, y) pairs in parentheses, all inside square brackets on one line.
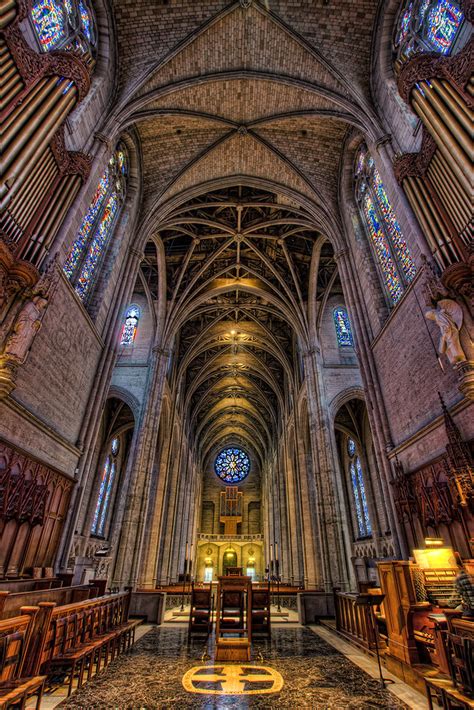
[(315, 674)]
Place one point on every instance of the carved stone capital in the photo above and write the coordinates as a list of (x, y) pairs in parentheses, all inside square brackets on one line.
[(15, 274), (8, 368), (465, 373)]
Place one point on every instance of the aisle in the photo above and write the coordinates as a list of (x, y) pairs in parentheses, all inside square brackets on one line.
[(315, 675)]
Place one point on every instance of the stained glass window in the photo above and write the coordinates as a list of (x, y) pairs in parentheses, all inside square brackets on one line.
[(86, 255), (68, 25), (427, 26), (392, 254), (351, 447), (343, 328), (364, 526), (232, 465), (105, 488), (129, 328)]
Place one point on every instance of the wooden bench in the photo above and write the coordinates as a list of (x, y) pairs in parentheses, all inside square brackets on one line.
[(11, 602), (81, 634), (15, 637)]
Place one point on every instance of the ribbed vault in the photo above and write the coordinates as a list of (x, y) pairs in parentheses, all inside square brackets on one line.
[(238, 264)]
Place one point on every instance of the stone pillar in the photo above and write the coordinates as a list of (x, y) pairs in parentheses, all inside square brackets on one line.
[(334, 568), (133, 527)]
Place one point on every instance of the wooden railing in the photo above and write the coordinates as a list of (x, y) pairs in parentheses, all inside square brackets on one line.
[(353, 619)]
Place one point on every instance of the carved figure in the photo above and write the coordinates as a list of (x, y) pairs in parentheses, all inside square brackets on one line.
[(448, 316), (26, 326)]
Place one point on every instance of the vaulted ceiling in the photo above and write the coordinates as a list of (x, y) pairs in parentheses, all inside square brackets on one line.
[(241, 111)]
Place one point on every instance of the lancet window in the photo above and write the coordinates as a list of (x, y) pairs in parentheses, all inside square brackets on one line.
[(364, 526), (66, 25), (108, 475), (427, 26), (391, 251), (129, 328), (343, 327), (85, 258)]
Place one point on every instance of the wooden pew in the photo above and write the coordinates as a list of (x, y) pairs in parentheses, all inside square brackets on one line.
[(11, 602), (16, 635), (75, 636)]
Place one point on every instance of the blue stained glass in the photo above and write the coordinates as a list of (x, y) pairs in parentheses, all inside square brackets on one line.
[(129, 329), (49, 20), (443, 21), (405, 23), (85, 20), (100, 497), (351, 447), (343, 328), (365, 507), (86, 226), (355, 489), (382, 249), (232, 465), (108, 490), (97, 244), (398, 241)]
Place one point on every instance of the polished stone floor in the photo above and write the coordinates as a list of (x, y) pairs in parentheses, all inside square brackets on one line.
[(315, 675)]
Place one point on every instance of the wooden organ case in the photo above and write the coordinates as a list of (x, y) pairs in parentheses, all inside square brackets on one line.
[(415, 604)]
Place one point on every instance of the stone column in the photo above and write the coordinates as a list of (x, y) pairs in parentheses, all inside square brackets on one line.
[(133, 527), (334, 567)]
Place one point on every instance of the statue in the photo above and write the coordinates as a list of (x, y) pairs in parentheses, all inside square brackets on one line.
[(448, 316), (25, 328)]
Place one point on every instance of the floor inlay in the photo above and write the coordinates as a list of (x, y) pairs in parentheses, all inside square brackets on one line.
[(313, 675), (230, 679)]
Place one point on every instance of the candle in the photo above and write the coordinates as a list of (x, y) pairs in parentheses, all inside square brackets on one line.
[(271, 553), (276, 551), (186, 556)]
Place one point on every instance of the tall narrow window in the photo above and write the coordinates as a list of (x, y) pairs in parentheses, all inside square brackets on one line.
[(343, 328), (68, 25), (358, 490), (427, 26), (391, 251), (86, 256), (109, 471), (129, 328)]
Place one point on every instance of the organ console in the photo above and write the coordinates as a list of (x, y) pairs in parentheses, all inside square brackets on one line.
[(420, 597)]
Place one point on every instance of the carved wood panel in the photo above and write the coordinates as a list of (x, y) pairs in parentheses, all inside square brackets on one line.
[(34, 499)]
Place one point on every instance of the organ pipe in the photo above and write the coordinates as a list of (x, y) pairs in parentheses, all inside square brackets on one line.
[(39, 182), (438, 180)]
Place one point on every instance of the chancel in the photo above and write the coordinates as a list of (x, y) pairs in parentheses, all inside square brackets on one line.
[(236, 354)]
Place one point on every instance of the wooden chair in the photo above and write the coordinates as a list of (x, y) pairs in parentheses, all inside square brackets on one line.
[(461, 662), (260, 611), (15, 636), (233, 619), (200, 615)]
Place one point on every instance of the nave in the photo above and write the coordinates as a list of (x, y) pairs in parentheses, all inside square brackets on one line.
[(236, 350)]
